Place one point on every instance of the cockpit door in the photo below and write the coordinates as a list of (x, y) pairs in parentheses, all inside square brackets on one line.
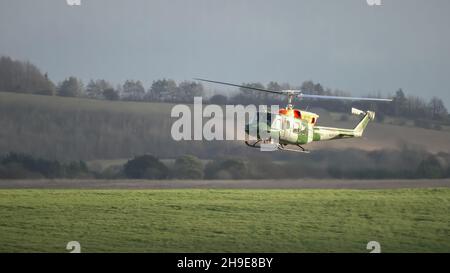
[(287, 127)]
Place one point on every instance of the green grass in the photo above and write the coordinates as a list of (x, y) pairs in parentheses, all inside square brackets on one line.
[(225, 220)]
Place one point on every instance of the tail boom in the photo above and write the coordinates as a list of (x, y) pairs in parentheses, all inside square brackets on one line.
[(329, 133)]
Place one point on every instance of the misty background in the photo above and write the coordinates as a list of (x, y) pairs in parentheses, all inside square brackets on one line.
[(347, 45)]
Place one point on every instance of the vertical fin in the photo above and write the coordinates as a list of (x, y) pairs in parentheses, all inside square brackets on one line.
[(368, 116)]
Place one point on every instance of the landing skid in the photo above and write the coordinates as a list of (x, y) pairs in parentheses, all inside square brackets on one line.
[(255, 144), (281, 147)]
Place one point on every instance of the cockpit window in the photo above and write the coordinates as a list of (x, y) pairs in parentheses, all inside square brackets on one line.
[(277, 124)]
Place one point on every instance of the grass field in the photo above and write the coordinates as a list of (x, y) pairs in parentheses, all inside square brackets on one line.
[(404, 220)]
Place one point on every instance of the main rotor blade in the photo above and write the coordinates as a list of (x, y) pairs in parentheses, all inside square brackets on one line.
[(241, 86), (340, 98), (301, 95)]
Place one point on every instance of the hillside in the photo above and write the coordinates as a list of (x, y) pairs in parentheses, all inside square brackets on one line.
[(76, 128)]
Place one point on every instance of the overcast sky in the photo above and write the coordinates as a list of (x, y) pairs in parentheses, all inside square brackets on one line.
[(344, 44)]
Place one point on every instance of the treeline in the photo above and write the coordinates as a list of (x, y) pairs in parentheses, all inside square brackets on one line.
[(24, 77), (16, 166), (354, 164)]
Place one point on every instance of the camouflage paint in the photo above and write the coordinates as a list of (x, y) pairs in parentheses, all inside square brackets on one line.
[(317, 133)]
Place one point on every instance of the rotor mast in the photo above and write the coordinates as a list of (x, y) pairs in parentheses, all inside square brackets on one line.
[(291, 94)]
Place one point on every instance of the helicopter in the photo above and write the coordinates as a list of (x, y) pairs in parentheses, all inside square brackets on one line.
[(294, 127)]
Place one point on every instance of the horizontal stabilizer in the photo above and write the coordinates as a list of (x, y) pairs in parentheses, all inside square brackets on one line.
[(357, 112)]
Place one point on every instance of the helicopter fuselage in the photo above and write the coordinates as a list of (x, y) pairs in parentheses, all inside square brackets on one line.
[(292, 126)]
